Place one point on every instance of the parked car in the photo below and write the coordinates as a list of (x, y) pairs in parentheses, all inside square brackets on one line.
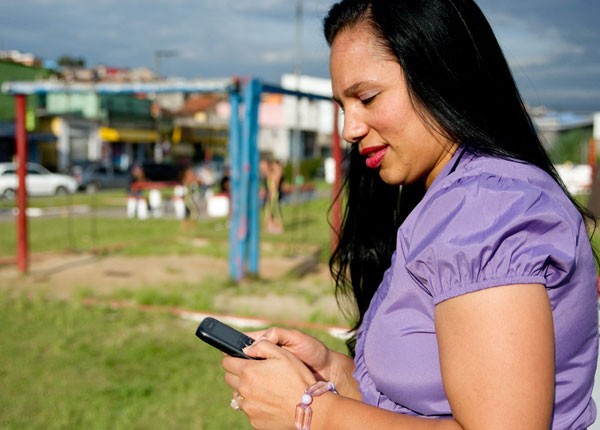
[(97, 176), (39, 180)]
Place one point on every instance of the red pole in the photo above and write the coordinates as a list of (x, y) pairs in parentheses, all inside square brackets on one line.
[(592, 156), (336, 151), (21, 150)]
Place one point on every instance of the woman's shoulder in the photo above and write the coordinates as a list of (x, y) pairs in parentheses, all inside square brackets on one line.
[(484, 189), (489, 222), (484, 168), (489, 177)]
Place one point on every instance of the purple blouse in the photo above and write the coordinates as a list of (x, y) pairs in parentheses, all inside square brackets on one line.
[(489, 222)]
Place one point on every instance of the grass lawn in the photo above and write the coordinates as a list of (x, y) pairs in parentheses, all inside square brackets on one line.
[(305, 224), (69, 366), (65, 365)]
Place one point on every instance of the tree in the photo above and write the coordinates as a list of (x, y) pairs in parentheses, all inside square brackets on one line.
[(571, 146), (68, 61)]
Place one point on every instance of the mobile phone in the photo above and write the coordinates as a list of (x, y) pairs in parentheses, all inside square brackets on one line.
[(223, 337)]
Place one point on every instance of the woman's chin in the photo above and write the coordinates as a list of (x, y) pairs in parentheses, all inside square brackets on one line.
[(389, 179)]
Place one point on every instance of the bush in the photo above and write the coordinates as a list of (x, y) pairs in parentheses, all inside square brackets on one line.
[(310, 169), (571, 146)]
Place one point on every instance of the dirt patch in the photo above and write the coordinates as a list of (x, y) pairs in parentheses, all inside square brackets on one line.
[(65, 275), (277, 308)]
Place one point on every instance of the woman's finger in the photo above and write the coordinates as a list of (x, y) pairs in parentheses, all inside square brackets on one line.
[(263, 348), (274, 335), (255, 334), (232, 364), (232, 381)]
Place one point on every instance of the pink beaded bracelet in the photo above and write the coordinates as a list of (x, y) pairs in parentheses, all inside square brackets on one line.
[(303, 414)]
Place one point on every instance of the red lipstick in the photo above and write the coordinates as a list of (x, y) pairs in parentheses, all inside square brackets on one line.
[(374, 155)]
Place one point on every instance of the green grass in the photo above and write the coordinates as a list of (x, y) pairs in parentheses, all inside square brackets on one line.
[(68, 366), (305, 223), (104, 198), (198, 297), (65, 365)]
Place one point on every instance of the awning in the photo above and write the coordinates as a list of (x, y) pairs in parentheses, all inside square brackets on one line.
[(207, 135), (109, 134)]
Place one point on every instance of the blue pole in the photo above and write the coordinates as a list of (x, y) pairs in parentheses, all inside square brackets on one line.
[(253, 189), (248, 135), (235, 256)]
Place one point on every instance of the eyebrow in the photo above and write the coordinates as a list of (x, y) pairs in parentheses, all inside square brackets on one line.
[(352, 90)]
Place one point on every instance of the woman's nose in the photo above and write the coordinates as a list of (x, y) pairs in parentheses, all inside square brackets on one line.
[(354, 128)]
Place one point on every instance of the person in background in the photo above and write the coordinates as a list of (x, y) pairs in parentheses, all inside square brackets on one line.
[(274, 194), (468, 266), (191, 184), (263, 170), (225, 183), (136, 181), (206, 179)]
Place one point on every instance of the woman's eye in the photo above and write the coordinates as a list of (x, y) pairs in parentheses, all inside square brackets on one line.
[(367, 100)]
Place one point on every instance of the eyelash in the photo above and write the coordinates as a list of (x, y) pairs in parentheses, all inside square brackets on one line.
[(367, 101)]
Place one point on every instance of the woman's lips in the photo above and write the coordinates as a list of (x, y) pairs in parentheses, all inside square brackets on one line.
[(374, 155)]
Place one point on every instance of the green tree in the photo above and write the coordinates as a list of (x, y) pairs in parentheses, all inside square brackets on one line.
[(571, 145), (68, 61)]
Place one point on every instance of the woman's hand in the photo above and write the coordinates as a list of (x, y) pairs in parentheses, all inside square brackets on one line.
[(270, 388), (324, 363)]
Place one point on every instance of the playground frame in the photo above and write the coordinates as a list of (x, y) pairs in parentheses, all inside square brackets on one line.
[(244, 230)]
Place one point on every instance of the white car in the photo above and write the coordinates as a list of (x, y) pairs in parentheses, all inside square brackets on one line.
[(39, 180)]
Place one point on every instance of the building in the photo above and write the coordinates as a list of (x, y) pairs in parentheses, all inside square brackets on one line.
[(551, 124), (75, 122), (308, 124), (111, 128), (11, 71)]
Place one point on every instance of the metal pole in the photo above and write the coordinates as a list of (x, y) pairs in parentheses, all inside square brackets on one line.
[(21, 152), (336, 151), (592, 156), (253, 185), (249, 132), (158, 54), (297, 153), (235, 256)]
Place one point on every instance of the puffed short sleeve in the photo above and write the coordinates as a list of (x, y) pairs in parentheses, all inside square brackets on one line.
[(484, 232)]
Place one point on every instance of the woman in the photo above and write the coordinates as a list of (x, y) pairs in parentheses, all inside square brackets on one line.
[(468, 263), (274, 183)]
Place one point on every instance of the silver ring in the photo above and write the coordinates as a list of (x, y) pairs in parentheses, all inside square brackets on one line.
[(235, 401)]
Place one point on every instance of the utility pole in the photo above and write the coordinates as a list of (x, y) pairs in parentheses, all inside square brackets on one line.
[(158, 55), (296, 147), (296, 142)]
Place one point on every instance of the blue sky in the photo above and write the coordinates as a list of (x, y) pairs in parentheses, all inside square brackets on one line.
[(553, 46)]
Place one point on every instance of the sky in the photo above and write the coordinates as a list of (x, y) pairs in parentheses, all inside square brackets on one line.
[(553, 46)]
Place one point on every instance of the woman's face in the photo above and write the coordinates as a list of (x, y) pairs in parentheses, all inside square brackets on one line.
[(379, 117)]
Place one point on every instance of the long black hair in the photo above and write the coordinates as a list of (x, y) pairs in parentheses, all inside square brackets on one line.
[(459, 81)]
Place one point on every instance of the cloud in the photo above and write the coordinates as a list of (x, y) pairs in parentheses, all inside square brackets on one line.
[(552, 45), (527, 44), (278, 57)]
